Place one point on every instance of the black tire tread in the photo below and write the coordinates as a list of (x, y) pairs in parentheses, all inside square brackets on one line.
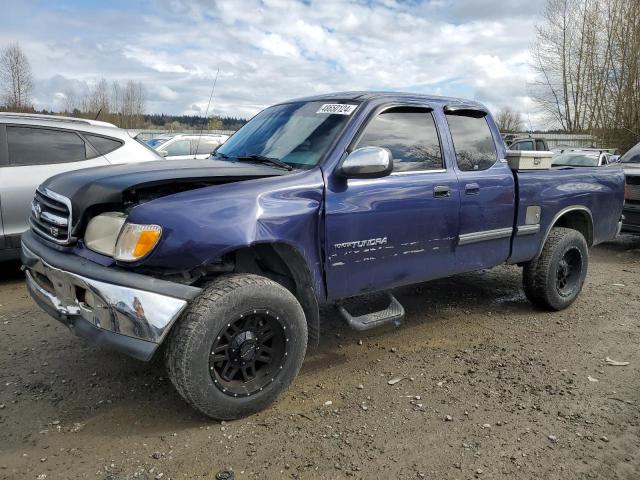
[(192, 324), (535, 273)]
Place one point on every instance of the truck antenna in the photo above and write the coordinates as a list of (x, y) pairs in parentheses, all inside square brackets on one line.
[(206, 115)]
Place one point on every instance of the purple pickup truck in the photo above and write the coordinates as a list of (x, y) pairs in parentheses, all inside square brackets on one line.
[(221, 265)]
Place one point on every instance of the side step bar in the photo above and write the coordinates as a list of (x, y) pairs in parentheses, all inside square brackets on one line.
[(394, 313)]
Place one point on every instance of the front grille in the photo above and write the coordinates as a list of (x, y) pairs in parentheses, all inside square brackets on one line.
[(51, 216)]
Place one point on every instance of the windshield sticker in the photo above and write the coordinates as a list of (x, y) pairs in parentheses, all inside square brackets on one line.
[(337, 108)]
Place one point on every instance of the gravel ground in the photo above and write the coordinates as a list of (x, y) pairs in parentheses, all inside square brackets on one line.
[(490, 387)]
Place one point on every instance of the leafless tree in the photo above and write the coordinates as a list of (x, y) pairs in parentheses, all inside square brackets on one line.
[(118, 103), (116, 97), (509, 120), (16, 78), (70, 102), (587, 60), (99, 98)]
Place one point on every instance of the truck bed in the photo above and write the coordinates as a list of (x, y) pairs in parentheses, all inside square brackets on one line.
[(561, 189)]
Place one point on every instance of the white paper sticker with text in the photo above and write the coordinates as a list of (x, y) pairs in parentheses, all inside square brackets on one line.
[(337, 108)]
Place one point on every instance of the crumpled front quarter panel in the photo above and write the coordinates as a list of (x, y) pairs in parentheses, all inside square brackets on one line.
[(199, 226)]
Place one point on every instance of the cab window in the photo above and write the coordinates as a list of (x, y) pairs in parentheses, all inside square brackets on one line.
[(473, 142), (411, 136)]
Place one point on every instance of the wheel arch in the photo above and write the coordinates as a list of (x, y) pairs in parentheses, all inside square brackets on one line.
[(285, 264), (575, 217)]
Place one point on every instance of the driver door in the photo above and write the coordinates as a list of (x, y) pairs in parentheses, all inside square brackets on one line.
[(399, 229)]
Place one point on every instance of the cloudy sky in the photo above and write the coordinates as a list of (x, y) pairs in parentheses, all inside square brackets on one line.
[(271, 50)]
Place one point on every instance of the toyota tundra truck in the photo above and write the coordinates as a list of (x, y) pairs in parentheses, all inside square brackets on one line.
[(221, 265)]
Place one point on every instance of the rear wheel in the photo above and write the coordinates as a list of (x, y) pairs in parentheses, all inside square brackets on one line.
[(555, 278), (237, 347)]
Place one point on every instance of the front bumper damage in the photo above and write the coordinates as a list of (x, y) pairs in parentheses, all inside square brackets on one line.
[(126, 311)]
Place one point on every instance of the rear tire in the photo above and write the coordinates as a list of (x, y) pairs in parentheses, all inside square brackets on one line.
[(237, 347), (554, 280)]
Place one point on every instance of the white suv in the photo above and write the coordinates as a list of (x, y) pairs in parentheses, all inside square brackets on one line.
[(36, 147), (185, 146)]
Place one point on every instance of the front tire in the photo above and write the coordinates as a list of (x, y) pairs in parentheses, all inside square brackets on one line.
[(554, 280), (237, 347)]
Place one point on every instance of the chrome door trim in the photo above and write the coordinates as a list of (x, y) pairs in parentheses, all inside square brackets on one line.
[(485, 235), (528, 229), (416, 172)]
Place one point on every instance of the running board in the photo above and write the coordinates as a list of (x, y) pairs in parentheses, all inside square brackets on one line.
[(393, 313)]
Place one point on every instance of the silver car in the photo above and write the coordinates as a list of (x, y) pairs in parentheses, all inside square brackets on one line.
[(186, 146), (36, 147)]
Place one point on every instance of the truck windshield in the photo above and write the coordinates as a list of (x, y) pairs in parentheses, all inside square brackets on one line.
[(297, 133)]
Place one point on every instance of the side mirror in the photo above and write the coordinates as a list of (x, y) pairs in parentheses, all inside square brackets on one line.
[(163, 153), (367, 162), (614, 159)]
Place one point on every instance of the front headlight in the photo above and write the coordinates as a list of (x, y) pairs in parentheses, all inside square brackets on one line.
[(102, 232), (136, 241)]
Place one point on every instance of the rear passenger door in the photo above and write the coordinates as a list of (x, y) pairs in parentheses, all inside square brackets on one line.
[(399, 229), (34, 154), (487, 192)]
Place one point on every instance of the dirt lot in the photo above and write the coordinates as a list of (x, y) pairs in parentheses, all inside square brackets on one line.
[(491, 388)]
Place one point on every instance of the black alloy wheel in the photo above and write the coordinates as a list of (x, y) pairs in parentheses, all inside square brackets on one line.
[(249, 353), (569, 272), (237, 346)]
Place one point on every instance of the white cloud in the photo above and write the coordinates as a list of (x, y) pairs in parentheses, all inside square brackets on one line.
[(271, 50)]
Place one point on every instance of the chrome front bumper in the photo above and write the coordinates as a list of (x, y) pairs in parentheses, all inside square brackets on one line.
[(131, 320)]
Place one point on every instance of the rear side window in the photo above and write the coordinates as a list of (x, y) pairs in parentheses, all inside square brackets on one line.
[(527, 145), (179, 147), (472, 141), (103, 145), (410, 134), (42, 146), (540, 145), (205, 146)]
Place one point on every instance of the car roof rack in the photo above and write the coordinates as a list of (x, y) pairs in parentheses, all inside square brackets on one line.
[(54, 118)]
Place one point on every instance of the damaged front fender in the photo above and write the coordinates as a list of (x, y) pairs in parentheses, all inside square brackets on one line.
[(201, 226)]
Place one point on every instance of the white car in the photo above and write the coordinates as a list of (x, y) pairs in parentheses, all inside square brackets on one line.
[(581, 157), (36, 147), (185, 146)]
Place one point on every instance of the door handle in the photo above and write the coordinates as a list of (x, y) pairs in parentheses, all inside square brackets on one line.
[(471, 188), (441, 191)]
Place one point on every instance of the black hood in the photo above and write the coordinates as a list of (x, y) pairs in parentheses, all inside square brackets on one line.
[(119, 185)]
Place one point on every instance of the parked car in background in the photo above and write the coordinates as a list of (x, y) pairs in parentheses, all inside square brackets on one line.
[(35, 147), (630, 163), (315, 201), (509, 137), (186, 146), (529, 143), (585, 157), (159, 140)]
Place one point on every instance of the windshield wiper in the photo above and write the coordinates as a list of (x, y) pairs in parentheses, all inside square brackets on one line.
[(264, 159)]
